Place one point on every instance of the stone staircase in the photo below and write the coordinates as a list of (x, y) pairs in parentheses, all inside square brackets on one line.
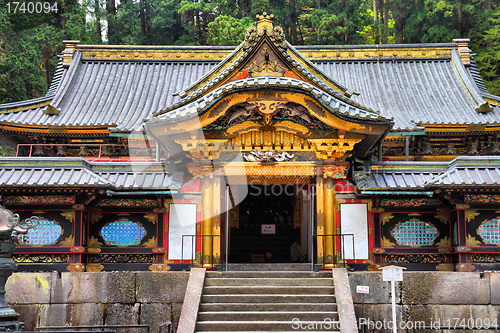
[(268, 302)]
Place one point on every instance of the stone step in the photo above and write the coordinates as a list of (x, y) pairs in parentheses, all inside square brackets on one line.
[(258, 281), (259, 316), (276, 298), (270, 267), (266, 290), (292, 307), (267, 326), (272, 274)]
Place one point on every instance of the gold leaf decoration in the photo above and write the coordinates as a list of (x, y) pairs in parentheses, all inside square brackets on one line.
[(473, 241), (94, 267), (70, 215), (445, 242), (470, 215), (414, 214), (386, 217), (151, 217), (69, 241), (95, 218), (159, 268), (151, 242), (445, 267), (443, 217), (94, 242), (387, 243)]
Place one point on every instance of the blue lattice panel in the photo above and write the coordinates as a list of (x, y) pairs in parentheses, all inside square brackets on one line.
[(45, 233), (414, 233), (123, 232), (490, 231)]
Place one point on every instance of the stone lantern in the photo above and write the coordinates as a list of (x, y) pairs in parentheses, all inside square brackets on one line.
[(10, 227)]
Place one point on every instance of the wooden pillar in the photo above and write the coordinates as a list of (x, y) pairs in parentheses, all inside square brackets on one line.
[(320, 220), (216, 231), (207, 193), (329, 222)]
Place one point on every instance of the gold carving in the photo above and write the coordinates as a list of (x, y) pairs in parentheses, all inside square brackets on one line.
[(77, 249), (69, 241), (159, 268), (78, 207), (445, 267), (462, 206), (334, 171), (444, 243), (443, 217), (473, 241), (377, 210), (94, 249), (414, 214), (386, 217), (94, 242), (74, 268), (470, 215), (151, 242), (151, 217), (94, 267), (70, 216), (95, 217), (387, 243), (159, 250)]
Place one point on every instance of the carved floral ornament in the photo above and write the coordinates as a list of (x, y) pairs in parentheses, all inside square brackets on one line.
[(265, 26), (267, 156)]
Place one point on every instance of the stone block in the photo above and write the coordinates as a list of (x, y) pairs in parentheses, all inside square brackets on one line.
[(71, 314), (28, 314), (455, 315), (155, 314), (494, 278), (445, 288), (161, 287), (376, 317), (122, 314), (94, 287), (28, 288), (380, 291)]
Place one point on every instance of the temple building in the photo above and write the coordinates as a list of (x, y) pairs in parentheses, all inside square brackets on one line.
[(164, 157)]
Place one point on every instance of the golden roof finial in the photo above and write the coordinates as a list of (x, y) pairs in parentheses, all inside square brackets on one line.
[(264, 23)]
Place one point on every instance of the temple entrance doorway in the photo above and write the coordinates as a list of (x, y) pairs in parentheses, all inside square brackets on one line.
[(267, 222)]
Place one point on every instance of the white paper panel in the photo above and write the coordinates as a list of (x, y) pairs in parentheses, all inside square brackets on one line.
[(354, 220), (182, 221)]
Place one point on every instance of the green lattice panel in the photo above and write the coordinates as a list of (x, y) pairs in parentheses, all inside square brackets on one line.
[(415, 233), (490, 231), (45, 233), (123, 232)]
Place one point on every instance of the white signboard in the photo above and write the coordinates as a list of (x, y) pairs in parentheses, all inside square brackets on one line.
[(268, 229), (392, 273), (354, 221), (363, 289), (181, 221)]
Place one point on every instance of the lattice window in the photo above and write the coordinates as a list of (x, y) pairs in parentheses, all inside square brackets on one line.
[(45, 233), (414, 233), (490, 231), (123, 232)]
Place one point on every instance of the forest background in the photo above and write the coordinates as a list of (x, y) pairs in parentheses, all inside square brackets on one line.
[(30, 42)]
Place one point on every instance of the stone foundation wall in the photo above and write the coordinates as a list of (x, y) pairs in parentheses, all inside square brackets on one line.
[(101, 298), (436, 298)]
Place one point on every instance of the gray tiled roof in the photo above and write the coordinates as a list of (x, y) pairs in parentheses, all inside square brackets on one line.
[(412, 91), (121, 93), (336, 104), (462, 171), (81, 173)]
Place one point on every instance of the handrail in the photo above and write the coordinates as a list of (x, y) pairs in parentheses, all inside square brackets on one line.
[(194, 241)]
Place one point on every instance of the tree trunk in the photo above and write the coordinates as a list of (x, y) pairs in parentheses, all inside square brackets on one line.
[(142, 9), (399, 24), (293, 21), (98, 27), (386, 23), (376, 30), (111, 10)]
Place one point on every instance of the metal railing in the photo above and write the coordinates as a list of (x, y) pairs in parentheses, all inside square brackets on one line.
[(166, 327), (96, 328), (329, 243), (192, 241)]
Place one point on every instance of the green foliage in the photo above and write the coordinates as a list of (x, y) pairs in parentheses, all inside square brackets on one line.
[(24, 37), (227, 30)]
